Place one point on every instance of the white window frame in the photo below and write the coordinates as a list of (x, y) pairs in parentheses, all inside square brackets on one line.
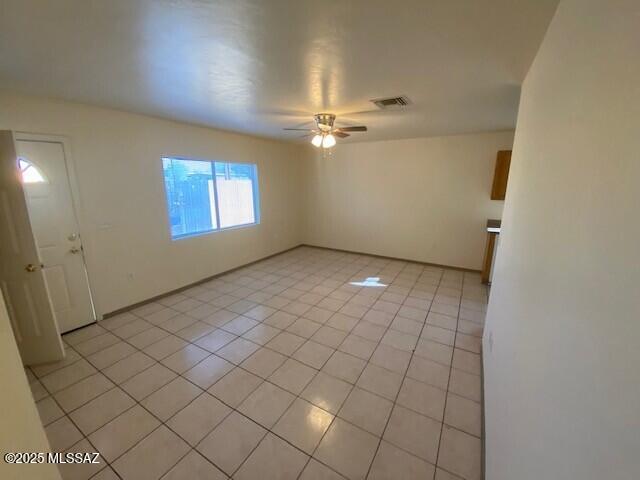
[(255, 190)]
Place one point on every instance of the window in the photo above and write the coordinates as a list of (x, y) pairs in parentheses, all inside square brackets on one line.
[(29, 172), (206, 196)]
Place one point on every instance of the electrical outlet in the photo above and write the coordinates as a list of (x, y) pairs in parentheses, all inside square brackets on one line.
[(491, 342)]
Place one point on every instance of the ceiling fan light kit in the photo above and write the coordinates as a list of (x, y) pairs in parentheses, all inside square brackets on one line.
[(328, 141), (324, 135)]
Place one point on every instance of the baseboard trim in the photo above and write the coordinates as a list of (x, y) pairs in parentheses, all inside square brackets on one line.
[(212, 277), (78, 328), (438, 265), (193, 284)]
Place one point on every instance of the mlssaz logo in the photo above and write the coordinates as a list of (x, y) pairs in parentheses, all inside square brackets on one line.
[(71, 457)]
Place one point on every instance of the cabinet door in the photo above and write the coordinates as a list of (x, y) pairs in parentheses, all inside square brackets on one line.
[(501, 175)]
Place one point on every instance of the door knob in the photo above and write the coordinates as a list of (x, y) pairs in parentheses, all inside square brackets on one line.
[(75, 250)]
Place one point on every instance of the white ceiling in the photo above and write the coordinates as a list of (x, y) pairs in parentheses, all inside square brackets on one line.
[(258, 66)]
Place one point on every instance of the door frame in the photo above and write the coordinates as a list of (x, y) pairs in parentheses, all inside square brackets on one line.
[(76, 200)]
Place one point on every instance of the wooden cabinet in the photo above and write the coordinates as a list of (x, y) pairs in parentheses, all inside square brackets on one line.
[(501, 175)]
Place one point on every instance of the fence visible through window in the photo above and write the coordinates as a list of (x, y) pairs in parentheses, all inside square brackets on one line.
[(199, 201)]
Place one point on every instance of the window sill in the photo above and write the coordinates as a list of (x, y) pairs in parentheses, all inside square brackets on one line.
[(217, 230)]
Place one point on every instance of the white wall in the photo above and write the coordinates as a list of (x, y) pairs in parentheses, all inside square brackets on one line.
[(117, 157), (20, 426), (562, 381), (425, 199)]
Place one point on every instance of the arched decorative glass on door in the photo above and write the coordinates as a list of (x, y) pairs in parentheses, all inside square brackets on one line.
[(30, 173)]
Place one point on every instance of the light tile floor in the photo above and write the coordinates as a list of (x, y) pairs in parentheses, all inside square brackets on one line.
[(313, 364)]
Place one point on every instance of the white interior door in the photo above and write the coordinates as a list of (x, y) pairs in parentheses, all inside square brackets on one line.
[(21, 278), (55, 228)]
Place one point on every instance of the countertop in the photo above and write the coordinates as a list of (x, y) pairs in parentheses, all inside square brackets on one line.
[(493, 226)]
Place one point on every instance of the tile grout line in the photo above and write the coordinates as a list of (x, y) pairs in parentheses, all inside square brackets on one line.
[(404, 377), (84, 437), (269, 430), (353, 386), (204, 390), (289, 356), (159, 361), (297, 396), (348, 395), (449, 381), (446, 398), (424, 324)]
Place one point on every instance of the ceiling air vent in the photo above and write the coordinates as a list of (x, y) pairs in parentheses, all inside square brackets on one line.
[(393, 102)]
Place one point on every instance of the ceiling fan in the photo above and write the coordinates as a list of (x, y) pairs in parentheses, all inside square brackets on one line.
[(324, 135)]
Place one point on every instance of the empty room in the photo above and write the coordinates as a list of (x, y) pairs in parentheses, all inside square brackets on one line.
[(285, 239)]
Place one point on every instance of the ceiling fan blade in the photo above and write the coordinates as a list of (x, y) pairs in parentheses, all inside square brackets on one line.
[(300, 129), (361, 112), (340, 134), (360, 128), (283, 112)]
